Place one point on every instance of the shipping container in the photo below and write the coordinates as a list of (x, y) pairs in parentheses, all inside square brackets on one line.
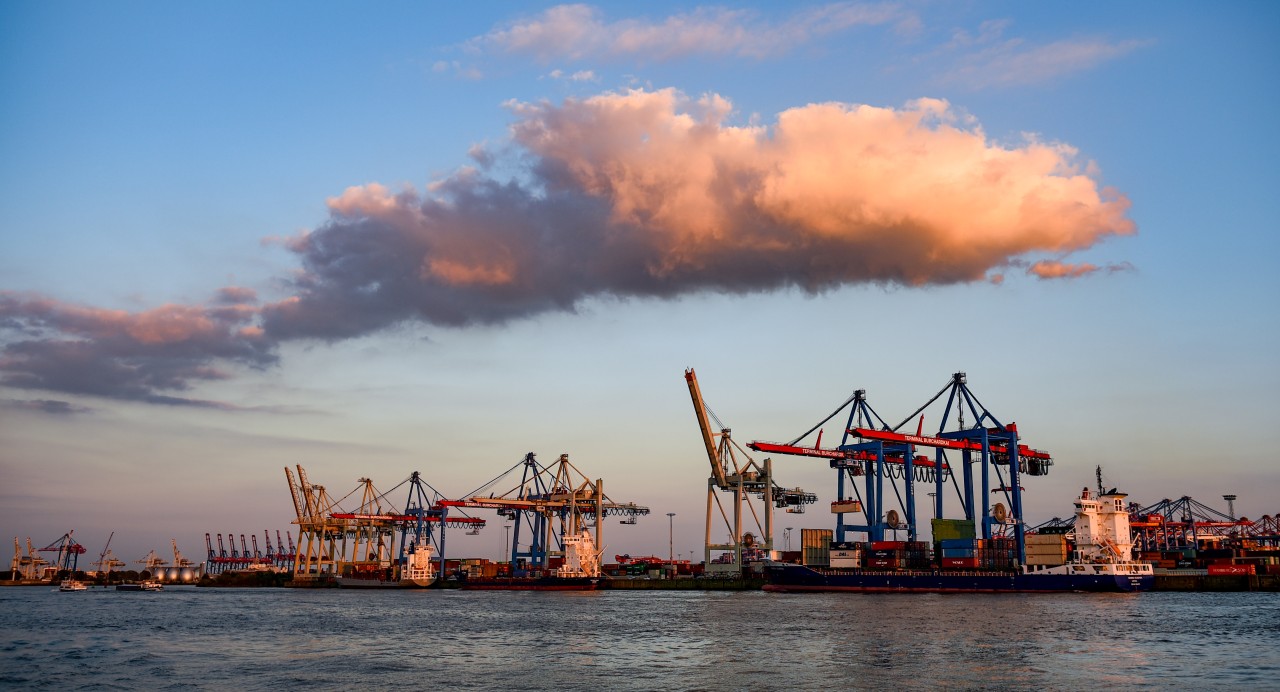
[(816, 544), (882, 562), (1230, 569), (887, 545), (960, 562), (947, 529), (1046, 560)]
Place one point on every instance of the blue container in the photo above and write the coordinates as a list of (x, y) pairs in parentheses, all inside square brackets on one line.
[(968, 543), (959, 552)]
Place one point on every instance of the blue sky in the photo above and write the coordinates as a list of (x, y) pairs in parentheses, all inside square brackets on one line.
[(152, 156)]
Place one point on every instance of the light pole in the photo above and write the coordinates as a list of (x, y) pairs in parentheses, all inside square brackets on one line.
[(671, 523)]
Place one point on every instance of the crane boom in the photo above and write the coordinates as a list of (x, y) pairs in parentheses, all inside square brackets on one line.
[(299, 504), (708, 439)]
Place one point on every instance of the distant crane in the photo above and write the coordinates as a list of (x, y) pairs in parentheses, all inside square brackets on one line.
[(25, 566), (106, 561), (333, 541), (553, 504), (69, 552)]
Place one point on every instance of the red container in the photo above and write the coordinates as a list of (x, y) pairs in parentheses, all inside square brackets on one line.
[(887, 545), (1230, 569), (961, 562), (882, 562)]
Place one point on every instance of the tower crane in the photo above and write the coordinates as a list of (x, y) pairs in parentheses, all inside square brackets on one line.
[(107, 561), (744, 479)]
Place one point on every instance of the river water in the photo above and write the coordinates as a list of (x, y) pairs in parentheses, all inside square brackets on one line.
[(252, 639)]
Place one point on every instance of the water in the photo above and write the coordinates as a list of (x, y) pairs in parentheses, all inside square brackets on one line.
[(255, 639)]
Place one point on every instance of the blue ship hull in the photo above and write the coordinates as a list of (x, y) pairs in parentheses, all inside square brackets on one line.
[(792, 578)]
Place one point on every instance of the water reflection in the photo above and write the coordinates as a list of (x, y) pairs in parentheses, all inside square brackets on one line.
[(260, 639)]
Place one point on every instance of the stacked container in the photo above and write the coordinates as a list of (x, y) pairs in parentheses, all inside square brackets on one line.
[(916, 556), (846, 555), (1046, 549), (884, 554), (959, 553), (998, 553)]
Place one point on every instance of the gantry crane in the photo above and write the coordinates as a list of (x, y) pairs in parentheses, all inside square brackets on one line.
[(317, 534), (551, 504), (872, 449), (743, 479), (25, 567), (69, 552), (333, 541)]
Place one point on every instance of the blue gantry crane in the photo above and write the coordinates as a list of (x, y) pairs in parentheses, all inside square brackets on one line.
[(875, 451), (548, 504)]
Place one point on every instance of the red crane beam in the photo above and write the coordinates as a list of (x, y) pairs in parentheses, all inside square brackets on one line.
[(1024, 451), (408, 518), (774, 448)]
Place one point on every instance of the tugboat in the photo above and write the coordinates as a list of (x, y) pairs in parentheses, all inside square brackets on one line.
[(73, 585), (1101, 561), (580, 572)]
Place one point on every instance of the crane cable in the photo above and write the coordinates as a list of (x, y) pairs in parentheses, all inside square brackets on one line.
[(926, 405), (852, 396)]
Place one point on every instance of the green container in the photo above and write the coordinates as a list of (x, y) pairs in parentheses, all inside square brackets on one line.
[(953, 529)]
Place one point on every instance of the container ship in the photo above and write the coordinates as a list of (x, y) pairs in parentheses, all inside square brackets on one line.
[(580, 571), (1101, 560)]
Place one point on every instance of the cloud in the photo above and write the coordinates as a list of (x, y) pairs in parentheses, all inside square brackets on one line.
[(46, 406), (1053, 269), (991, 60), (579, 32), (55, 346), (637, 194), (653, 194), (578, 76)]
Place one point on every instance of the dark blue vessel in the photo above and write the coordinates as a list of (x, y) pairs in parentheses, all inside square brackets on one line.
[(1110, 578)]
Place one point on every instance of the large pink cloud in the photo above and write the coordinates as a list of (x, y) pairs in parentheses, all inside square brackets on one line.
[(651, 193), (633, 194)]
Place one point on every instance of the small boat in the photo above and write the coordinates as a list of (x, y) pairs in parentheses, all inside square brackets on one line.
[(73, 585), (148, 585)]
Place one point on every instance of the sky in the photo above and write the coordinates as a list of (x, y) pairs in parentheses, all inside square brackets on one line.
[(376, 240)]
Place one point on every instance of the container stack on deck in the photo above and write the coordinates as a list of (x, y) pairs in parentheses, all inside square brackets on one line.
[(1049, 550)]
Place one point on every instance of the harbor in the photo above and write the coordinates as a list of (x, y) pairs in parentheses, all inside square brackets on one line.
[(554, 517)]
